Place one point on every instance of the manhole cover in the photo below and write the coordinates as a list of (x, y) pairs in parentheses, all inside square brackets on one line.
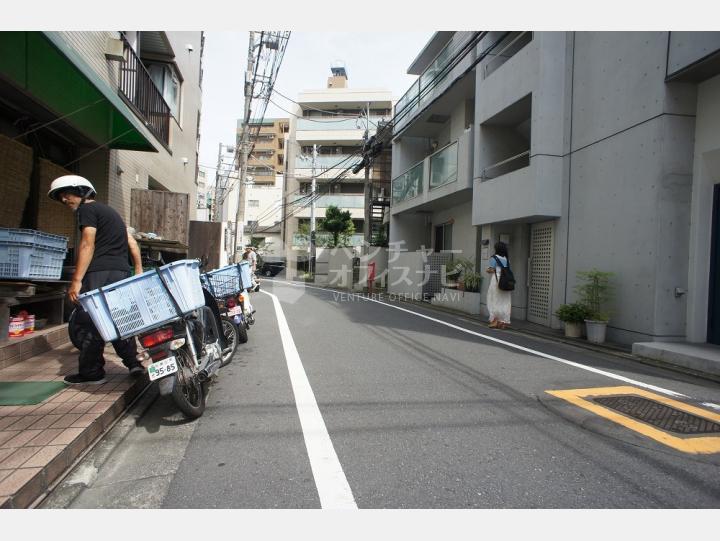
[(659, 415)]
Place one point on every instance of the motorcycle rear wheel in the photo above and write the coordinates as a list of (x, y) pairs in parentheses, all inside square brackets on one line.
[(188, 393), (232, 335)]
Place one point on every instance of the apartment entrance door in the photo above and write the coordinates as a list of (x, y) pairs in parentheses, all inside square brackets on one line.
[(540, 272), (713, 334)]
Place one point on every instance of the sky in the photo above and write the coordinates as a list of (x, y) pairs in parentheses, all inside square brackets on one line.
[(372, 60)]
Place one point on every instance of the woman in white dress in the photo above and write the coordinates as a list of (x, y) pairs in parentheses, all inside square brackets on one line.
[(498, 301)]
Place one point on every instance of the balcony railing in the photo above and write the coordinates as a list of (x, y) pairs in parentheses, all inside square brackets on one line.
[(409, 184), (444, 166), (335, 123), (339, 200), (512, 45), (140, 92), (431, 78), (341, 161), (506, 166)]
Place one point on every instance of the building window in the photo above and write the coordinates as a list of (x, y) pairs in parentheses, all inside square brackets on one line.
[(167, 81), (280, 159), (254, 203)]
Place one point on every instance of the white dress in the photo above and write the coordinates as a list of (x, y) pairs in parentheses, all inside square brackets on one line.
[(499, 302)]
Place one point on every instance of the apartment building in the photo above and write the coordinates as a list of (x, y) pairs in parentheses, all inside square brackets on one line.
[(204, 197), (581, 150), (326, 137), (263, 190), (120, 108)]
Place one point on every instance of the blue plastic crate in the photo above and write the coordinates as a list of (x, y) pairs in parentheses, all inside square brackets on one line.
[(38, 238), (223, 282), (228, 280), (28, 260), (140, 303)]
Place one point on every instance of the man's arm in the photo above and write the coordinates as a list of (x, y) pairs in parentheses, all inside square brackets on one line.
[(85, 255), (135, 253)]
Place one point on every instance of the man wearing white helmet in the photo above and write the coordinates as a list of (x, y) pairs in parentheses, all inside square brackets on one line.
[(102, 259)]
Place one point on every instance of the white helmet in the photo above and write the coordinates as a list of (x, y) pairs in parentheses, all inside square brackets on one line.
[(82, 185)]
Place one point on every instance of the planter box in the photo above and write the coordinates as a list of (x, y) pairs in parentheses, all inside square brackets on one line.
[(595, 331), (573, 330), (464, 301)]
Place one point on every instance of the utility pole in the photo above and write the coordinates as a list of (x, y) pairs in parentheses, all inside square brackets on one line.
[(244, 147), (217, 186), (312, 212), (367, 229)]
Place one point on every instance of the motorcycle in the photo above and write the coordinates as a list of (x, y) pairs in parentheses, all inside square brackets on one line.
[(235, 325), (186, 355)]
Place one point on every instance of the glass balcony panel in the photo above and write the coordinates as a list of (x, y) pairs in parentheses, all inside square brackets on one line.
[(409, 184), (443, 166)]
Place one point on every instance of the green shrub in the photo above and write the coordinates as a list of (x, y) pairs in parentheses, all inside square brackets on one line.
[(595, 292), (472, 281), (573, 313)]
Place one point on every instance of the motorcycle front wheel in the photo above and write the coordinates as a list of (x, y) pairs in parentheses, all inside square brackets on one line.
[(188, 393)]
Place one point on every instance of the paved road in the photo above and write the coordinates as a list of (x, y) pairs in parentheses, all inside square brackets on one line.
[(363, 404)]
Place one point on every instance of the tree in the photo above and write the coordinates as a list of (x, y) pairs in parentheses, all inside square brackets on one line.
[(339, 223)]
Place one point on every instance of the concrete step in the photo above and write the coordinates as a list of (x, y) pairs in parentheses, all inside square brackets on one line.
[(699, 357)]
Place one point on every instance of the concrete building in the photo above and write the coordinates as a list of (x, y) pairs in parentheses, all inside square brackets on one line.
[(262, 195), (204, 196), (330, 121), (581, 150), (121, 108)]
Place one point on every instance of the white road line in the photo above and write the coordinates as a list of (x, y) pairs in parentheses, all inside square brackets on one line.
[(332, 486), (508, 344)]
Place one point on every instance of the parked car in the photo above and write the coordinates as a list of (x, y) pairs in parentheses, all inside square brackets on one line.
[(271, 268)]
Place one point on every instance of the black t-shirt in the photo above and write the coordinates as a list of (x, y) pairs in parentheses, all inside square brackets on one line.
[(111, 244)]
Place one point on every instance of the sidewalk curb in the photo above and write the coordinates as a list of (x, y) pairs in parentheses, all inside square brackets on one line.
[(65, 489), (607, 350)]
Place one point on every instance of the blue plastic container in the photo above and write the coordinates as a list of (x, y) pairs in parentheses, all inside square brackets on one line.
[(229, 280), (142, 302)]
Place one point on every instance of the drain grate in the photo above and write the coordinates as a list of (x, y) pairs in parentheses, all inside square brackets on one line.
[(659, 415)]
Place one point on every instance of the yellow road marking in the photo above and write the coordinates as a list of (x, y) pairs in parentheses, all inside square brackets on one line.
[(692, 444)]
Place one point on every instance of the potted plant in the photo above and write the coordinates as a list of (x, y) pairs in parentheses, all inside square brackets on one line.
[(472, 281), (573, 315), (595, 292), (459, 268)]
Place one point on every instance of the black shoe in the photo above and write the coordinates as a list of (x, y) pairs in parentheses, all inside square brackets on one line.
[(136, 369), (77, 379)]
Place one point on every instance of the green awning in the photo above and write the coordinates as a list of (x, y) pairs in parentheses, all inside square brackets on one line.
[(44, 66)]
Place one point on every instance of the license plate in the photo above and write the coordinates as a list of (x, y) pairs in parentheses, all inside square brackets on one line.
[(235, 311), (162, 368)]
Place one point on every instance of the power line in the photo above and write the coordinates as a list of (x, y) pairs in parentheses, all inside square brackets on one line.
[(46, 124), (313, 108), (384, 134), (311, 119)]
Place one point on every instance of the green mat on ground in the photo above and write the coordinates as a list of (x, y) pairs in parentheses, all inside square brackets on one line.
[(27, 393)]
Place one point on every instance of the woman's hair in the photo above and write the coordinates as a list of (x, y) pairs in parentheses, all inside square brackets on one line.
[(501, 249)]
